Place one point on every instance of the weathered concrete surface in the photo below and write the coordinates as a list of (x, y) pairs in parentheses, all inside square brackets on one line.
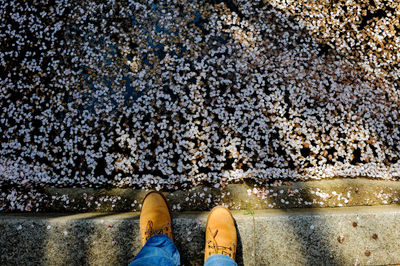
[(330, 236), (245, 196), (340, 236)]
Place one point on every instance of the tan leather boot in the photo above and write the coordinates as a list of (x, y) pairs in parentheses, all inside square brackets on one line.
[(221, 235), (155, 217)]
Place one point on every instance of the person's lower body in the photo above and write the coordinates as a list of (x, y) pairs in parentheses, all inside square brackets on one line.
[(159, 250), (219, 260), (157, 239)]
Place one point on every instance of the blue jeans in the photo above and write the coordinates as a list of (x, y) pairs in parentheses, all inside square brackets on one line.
[(159, 250)]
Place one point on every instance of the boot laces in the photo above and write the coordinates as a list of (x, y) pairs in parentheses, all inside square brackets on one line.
[(224, 250), (151, 231)]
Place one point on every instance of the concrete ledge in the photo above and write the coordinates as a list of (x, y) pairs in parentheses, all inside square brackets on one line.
[(330, 236), (245, 196)]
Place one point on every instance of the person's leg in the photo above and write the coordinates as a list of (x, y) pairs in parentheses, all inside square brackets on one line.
[(220, 260), (221, 238), (159, 250), (156, 233)]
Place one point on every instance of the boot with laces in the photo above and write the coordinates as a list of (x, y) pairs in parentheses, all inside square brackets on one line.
[(221, 235), (155, 217)]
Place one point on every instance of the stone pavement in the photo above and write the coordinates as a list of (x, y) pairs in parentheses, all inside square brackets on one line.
[(329, 236)]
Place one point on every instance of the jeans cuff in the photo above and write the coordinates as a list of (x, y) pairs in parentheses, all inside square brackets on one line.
[(220, 260)]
